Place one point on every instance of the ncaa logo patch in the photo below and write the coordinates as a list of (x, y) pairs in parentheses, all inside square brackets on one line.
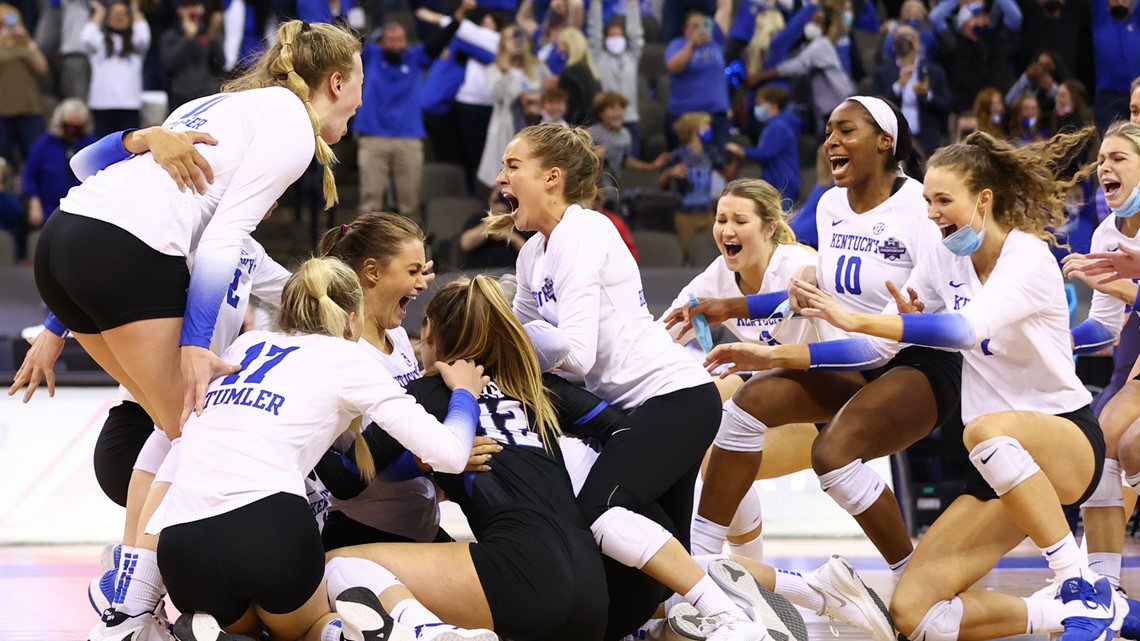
[(892, 249)]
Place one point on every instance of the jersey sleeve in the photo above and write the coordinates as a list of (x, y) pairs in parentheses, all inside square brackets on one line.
[(278, 153), (269, 278), (100, 154), (366, 388), (577, 273), (581, 413), (1108, 312), (524, 304), (1022, 284)]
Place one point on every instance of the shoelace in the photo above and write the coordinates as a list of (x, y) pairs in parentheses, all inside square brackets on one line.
[(1085, 591)]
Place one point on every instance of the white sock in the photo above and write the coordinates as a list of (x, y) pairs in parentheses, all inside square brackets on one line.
[(707, 537), (898, 567), (707, 597), (1044, 616), (793, 587), (413, 614), (1066, 558), (126, 559), (753, 549), (142, 584), (332, 631), (1106, 564), (342, 573)]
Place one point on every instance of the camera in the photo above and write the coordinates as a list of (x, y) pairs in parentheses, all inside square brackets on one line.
[(12, 20)]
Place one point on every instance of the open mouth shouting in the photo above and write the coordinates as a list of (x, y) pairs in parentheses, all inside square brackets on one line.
[(947, 229), (839, 165), (732, 248), (512, 201), (1111, 188)]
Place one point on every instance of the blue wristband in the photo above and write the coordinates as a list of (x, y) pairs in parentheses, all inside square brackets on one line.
[(53, 325), (765, 305)]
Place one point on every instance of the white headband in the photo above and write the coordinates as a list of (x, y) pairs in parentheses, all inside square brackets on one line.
[(883, 116)]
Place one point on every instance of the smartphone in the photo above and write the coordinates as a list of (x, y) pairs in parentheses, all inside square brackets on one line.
[(707, 25), (12, 20)]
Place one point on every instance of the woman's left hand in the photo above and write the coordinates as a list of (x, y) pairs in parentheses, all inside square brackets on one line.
[(740, 357), (481, 453), (199, 367), (38, 364), (816, 304)]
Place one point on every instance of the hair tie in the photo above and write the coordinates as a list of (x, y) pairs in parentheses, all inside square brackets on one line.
[(305, 26), (343, 229)]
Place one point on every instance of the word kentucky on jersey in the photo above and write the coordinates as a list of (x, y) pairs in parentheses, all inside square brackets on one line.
[(891, 248)]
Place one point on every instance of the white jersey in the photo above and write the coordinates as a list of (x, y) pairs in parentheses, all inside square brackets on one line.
[(584, 281), (859, 253), (1109, 311), (265, 143), (408, 508), (1022, 356), (264, 429), (718, 281)]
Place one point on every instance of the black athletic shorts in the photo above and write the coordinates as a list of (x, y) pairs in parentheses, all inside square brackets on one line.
[(95, 276), (1084, 419), (123, 436), (942, 369), (342, 531), (266, 553), (542, 577)]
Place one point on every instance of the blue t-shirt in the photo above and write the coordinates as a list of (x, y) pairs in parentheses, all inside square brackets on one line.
[(47, 174), (701, 86), (319, 10), (803, 221), (744, 23), (694, 193), (1116, 48), (391, 104)]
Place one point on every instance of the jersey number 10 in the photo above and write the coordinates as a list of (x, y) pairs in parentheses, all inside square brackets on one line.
[(847, 275)]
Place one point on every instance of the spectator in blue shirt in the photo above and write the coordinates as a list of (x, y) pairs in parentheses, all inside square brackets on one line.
[(389, 123), (803, 221), (47, 174), (1116, 49), (777, 152), (695, 62), (692, 173)]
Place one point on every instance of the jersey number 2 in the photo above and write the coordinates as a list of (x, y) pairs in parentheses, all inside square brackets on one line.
[(273, 359), (847, 275)]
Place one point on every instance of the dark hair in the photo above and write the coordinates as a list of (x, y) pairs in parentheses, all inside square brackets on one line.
[(554, 94), (907, 153), (774, 94), (607, 99), (128, 35), (375, 235)]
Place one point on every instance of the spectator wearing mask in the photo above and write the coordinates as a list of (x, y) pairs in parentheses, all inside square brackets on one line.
[(192, 54), (1041, 78), (117, 38), (21, 66), (978, 54), (778, 151), (989, 109), (613, 142), (839, 33), (695, 62), (1116, 50), (616, 51), (691, 173), (914, 14), (389, 124), (579, 78), (918, 85), (47, 174), (818, 61), (1063, 27), (1025, 122)]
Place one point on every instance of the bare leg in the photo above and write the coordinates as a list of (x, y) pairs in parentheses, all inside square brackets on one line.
[(1104, 526)]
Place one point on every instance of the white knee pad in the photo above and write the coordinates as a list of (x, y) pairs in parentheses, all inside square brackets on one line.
[(627, 537), (342, 573), (739, 431), (1133, 481), (855, 487), (1003, 463), (153, 452), (943, 622), (1108, 492), (747, 517), (165, 473)]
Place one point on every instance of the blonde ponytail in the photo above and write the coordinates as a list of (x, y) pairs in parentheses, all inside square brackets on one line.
[(362, 455), (318, 298)]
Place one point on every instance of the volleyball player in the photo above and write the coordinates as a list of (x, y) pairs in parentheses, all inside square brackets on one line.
[(997, 296), (237, 539)]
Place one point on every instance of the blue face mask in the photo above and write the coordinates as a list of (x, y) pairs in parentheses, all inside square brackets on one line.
[(762, 115), (706, 136), (917, 24), (1131, 206), (965, 240)]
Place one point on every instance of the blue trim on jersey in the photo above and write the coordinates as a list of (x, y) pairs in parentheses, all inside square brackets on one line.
[(462, 415), (594, 412), (764, 305), (348, 463), (403, 468), (101, 154), (938, 330), (209, 283), (1091, 336), (53, 325), (844, 354)]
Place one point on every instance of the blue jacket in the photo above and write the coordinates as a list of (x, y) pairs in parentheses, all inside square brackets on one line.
[(803, 221), (446, 76), (319, 11), (47, 174), (391, 104), (1116, 48), (779, 154)]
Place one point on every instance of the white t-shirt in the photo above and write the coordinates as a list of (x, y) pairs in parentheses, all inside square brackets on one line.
[(1022, 356), (116, 81), (408, 508), (265, 143), (859, 253), (263, 430), (718, 281), (584, 281)]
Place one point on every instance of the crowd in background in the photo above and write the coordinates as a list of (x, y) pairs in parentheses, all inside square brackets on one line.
[(680, 95)]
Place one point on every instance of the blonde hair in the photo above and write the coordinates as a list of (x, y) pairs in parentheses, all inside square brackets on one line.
[(472, 320), (769, 205), (305, 55), (70, 105), (317, 299), (1126, 130), (768, 24), (529, 62), (577, 49), (571, 149), (1024, 180), (690, 123)]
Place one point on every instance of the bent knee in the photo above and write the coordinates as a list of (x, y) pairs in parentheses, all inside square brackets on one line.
[(1128, 450), (843, 441), (982, 429), (908, 608)]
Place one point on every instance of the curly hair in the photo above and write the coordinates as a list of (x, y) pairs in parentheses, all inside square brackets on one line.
[(1028, 195)]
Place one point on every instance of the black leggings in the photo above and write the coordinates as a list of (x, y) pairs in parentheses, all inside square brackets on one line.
[(124, 433), (650, 466)]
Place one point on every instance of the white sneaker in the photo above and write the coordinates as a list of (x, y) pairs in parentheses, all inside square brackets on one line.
[(783, 621), (199, 626), (846, 598), (117, 626), (686, 622), (363, 618), (445, 632)]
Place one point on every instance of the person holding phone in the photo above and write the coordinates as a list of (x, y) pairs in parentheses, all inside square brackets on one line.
[(917, 85), (695, 62), (21, 65)]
